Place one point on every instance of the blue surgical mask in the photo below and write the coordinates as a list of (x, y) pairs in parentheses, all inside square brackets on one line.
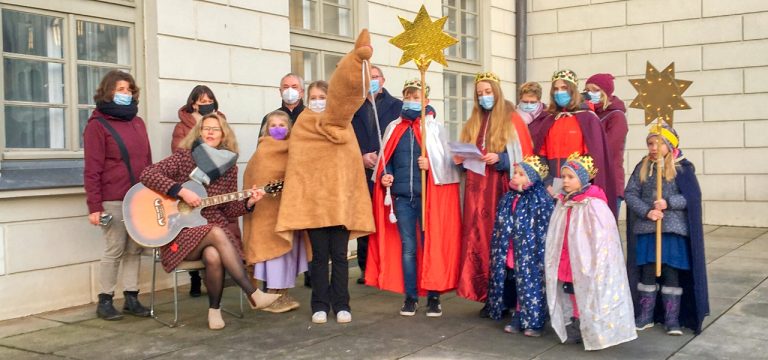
[(594, 97), (375, 86), (122, 99), (529, 107), (317, 105), (411, 105), (486, 101), (562, 98)]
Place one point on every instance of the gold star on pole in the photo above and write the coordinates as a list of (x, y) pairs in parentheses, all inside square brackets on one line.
[(660, 94), (423, 40)]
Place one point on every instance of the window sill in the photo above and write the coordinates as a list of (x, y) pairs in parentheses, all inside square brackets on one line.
[(42, 155), (20, 175)]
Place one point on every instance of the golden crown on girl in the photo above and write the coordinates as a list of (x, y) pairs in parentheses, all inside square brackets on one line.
[(490, 76), (586, 161), (535, 162)]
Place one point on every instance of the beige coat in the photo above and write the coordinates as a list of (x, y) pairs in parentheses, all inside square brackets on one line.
[(325, 180)]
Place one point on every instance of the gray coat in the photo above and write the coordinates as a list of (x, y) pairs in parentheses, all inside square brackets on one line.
[(640, 198)]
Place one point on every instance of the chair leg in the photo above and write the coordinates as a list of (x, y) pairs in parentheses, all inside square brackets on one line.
[(175, 322), (242, 309)]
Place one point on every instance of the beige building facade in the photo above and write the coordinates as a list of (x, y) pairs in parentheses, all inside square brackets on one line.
[(55, 52)]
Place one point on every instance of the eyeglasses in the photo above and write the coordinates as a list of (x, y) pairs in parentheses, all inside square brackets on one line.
[(211, 128)]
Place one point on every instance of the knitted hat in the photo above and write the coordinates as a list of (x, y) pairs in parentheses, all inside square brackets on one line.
[(667, 133), (583, 166), (416, 84), (603, 81), (567, 75), (534, 168)]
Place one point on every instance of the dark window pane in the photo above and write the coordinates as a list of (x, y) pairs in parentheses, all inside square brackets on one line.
[(82, 118), (305, 64), (30, 80), (88, 79), (31, 34), (103, 43), (337, 21), (330, 64), (32, 127), (303, 14)]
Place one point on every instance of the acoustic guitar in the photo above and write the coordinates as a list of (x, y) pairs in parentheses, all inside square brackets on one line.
[(154, 219)]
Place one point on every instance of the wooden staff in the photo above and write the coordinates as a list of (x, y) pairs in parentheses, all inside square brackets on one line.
[(423, 65), (659, 174)]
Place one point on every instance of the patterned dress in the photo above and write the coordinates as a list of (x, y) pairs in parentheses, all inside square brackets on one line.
[(175, 169), (523, 218)]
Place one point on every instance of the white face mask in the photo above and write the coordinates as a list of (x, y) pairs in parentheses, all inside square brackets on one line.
[(290, 96), (317, 105)]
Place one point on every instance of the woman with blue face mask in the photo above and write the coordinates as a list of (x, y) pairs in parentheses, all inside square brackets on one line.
[(502, 137), (611, 111), (530, 106), (571, 127)]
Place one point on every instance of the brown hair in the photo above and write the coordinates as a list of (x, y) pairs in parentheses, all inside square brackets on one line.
[(320, 84), (500, 127), (106, 89), (532, 88), (280, 114), (198, 92), (228, 140), (575, 98)]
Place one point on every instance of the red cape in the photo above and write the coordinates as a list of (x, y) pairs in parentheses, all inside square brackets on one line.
[(438, 257)]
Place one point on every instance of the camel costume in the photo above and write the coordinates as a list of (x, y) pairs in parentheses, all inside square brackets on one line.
[(324, 181)]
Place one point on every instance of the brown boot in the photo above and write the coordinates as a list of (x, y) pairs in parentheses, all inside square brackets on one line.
[(284, 304)]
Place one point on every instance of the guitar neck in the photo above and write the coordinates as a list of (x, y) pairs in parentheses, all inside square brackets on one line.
[(225, 198)]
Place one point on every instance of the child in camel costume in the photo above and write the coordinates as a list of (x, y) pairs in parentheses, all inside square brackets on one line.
[(325, 188)]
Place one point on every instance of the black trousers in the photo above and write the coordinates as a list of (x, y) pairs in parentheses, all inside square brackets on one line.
[(329, 243), (669, 275), (362, 254)]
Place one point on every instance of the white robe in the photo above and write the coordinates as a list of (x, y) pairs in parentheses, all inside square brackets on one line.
[(599, 274)]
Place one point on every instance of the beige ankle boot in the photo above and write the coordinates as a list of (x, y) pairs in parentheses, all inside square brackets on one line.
[(284, 304), (260, 299), (215, 321)]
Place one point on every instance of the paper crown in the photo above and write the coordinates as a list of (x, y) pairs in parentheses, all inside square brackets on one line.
[(567, 75), (415, 83), (534, 163), (489, 76), (667, 133), (585, 162)]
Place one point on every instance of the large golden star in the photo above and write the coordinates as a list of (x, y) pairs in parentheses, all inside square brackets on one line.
[(423, 40), (660, 94)]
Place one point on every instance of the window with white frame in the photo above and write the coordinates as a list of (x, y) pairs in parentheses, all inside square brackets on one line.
[(464, 61), (52, 65), (321, 32)]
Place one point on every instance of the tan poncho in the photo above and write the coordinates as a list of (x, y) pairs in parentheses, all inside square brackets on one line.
[(325, 180)]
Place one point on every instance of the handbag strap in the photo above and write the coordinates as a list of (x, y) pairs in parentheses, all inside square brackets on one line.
[(121, 145)]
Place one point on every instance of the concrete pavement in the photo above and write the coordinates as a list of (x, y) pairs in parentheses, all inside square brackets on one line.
[(736, 329)]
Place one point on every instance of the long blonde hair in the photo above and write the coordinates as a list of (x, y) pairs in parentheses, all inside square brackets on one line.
[(500, 127), (670, 170), (228, 140)]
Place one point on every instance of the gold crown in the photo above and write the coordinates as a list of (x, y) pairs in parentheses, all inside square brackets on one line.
[(487, 76), (586, 161), (415, 83), (567, 75), (535, 162)]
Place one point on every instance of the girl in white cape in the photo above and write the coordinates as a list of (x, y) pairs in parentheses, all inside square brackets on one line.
[(587, 288)]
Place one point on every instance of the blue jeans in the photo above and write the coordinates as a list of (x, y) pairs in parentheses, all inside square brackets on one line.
[(408, 212)]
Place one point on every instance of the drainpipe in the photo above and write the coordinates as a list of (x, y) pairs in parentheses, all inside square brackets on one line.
[(521, 42)]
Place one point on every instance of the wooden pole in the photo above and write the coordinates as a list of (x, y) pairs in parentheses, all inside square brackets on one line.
[(423, 70), (659, 175)]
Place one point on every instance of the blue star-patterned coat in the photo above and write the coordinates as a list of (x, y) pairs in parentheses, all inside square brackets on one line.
[(523, 218)]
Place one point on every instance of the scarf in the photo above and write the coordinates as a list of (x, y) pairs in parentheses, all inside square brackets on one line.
[(211, 163), (121, 112)]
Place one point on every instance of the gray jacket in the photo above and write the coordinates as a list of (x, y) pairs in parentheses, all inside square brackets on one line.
[(640, 198)]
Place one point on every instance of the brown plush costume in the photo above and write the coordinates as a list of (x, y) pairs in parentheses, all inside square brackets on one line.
[(260, 242), (324, 182)]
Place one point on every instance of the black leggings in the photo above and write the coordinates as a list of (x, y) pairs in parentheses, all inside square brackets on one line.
[(510, 291), (668, 274)]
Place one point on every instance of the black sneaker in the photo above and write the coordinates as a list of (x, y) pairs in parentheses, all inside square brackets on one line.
[(573, 330), (433, 307), (484, 312), (409, 307)]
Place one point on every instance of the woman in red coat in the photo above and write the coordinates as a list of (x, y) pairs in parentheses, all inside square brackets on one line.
[(502, 136), (208, 155)]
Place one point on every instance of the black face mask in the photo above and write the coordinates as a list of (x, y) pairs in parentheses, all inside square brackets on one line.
[(206, 109)]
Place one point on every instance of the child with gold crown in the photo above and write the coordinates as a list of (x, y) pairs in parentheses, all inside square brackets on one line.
[(517, 250), (587, 289)]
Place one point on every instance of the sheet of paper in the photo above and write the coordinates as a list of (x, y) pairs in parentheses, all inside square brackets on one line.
[(471, 154), (557, 185)]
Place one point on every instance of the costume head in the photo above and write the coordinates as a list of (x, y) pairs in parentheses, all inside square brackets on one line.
[(534, 168), (583, 166), (603, 81)]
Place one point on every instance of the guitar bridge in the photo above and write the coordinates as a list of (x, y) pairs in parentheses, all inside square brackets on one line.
[(159, 212)]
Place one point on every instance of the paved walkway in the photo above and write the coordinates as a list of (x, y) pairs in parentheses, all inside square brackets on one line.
[(736, 329)]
